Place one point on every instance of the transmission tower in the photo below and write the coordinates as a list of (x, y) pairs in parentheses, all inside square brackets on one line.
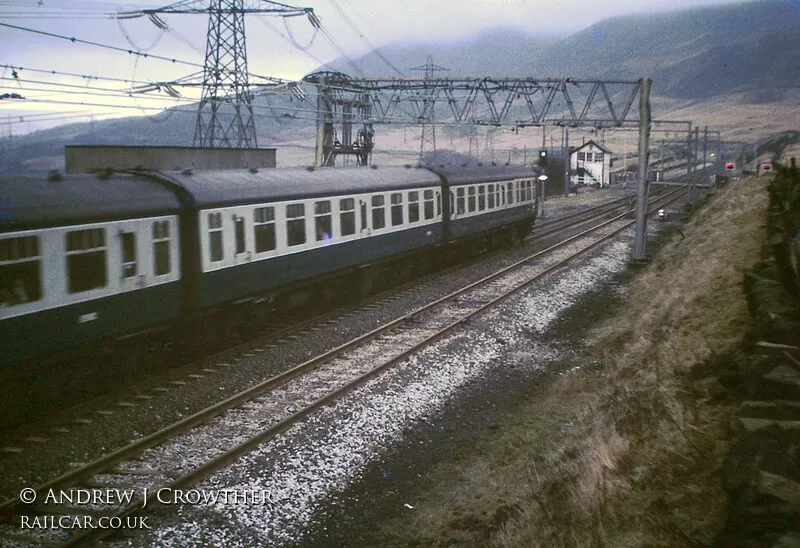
[(428, 138), (225, 113)]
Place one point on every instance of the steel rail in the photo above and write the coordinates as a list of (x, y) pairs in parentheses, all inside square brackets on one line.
[(234, 453), (107, 462), (291, 323)]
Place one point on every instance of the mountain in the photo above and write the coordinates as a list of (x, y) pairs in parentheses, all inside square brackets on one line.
[(495, 52), (694, 53), (748, 48)]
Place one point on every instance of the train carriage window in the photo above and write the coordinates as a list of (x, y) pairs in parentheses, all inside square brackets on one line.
[(413, 207), (322, 221), (363, 207), (481, 197), (378, 213), (471, 199), (161, 261), (347, 216), (20, 271), (397, 208), (86, 259), (238, 233), (264, 229), (128, 254), (510, 193), (460, 201), (490, 196), (295, 224), (215, 237), (428, 205), (161, 258)]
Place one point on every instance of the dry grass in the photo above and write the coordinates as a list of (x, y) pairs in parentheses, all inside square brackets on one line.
[(646, 473), (625, 454)]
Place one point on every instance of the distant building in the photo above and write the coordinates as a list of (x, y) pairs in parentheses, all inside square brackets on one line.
[(590, 164), (88, 158)]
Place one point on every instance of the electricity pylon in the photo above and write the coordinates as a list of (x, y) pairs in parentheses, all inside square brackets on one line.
[(428, 139), (225, 112)]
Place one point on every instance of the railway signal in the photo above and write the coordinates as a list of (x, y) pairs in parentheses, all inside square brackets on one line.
[(542, 158)]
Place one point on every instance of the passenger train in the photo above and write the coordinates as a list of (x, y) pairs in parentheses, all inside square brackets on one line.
[(85, 257)]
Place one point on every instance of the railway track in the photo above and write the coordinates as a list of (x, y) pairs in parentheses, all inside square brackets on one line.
[(277, 331), (178, 456)]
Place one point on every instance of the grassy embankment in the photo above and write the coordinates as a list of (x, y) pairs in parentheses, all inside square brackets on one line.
[(638, 461)]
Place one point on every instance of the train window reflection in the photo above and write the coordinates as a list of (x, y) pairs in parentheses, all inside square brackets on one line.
[(378, 213), (128, 254), (295, 224), (86, 259), (397, 208), (428, 195), (20, 271), (264, 228), (215, 237), (413, 207), (347, 216)]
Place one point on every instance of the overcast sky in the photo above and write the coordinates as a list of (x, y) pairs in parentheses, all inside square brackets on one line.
[(284, 48)]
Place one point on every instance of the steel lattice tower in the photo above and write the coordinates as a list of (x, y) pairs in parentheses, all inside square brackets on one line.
[(225, 113), (428, 137)]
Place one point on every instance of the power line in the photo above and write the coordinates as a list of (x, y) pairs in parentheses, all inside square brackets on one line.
[(92, 93), (91, 77), (129, 51), (87, 90), (291, 39), (353, 26), (99, 45), (53, 118)]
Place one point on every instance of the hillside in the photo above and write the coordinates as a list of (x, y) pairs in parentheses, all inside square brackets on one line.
[(746, 52), (694, 53), (690, 54)]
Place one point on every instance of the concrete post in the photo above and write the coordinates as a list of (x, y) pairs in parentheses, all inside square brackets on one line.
[(566, 161), (644, 143), (705, 156), (320, 144), (689, 166)]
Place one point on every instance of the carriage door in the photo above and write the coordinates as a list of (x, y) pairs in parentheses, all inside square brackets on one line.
[(364, 222), (129, 256)]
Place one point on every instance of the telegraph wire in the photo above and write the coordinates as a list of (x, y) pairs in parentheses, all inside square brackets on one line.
[(129, 51), (90, 77), (53, 118), (353, 26)]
